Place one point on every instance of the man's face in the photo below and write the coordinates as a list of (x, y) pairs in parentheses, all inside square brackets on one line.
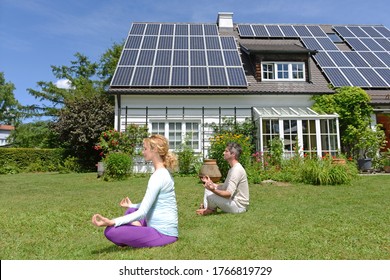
[(227, 155)]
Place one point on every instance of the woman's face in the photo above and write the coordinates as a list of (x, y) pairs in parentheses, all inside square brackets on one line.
[(147, 152)]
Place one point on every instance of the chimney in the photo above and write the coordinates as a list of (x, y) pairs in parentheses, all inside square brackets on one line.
[(225, 21)]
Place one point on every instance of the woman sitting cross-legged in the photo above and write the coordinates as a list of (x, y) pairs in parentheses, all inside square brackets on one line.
[(153, 222)]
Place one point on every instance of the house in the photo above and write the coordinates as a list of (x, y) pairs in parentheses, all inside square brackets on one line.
[(177, 78), (5, 131)]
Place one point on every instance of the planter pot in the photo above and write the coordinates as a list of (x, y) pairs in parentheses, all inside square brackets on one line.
[(100, 169), (211, 169), (364, 164), (386, 168), (338, 161)]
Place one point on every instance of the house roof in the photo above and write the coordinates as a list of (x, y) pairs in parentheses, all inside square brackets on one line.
[(360, 58), (6, 127)]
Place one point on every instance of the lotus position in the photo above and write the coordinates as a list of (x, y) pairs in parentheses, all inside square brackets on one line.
[(233, 195), (153, 222)]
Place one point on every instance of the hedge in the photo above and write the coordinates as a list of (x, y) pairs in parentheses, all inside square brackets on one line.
[(15, 160)]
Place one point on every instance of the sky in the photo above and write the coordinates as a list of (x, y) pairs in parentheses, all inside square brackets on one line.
[(36, 34)]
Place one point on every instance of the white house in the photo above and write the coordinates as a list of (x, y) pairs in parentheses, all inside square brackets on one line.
[(5, 131), (179, 77)]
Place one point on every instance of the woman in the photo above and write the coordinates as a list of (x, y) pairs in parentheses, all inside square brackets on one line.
[(153, 222)]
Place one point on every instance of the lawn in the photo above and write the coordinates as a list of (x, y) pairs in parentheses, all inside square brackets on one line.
[(47, 216)]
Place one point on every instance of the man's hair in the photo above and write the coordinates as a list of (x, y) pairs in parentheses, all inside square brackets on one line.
[(234, 148)]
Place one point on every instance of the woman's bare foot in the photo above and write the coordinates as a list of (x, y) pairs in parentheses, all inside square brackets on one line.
[(204, 212)]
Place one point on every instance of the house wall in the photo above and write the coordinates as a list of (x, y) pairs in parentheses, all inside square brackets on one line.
[(201, 108)]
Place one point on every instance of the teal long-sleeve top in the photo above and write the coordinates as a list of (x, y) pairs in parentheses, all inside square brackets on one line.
[(158, 206)]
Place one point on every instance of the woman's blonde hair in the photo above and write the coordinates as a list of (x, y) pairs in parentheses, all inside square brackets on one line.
[(161, 143)]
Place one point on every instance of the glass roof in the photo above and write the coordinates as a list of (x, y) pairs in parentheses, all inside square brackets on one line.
[(290, 112)]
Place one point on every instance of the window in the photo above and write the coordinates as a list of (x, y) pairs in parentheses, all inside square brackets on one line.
[(178, 132), (283, 71), (270, 131), (328, 137), (290, 135), (334, 37), (309, 137)]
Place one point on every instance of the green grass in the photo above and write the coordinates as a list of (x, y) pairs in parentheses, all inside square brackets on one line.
[(47, 216)]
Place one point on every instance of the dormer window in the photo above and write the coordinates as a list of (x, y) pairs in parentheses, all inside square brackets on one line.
[(283, 71)]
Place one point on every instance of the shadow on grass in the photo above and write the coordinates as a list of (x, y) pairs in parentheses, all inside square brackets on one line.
[(112, 249)]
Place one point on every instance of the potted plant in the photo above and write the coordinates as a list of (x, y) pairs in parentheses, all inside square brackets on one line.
[(368, 143), (386, 161)]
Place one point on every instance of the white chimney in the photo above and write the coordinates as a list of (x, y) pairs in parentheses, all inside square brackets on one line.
[(225, 21)]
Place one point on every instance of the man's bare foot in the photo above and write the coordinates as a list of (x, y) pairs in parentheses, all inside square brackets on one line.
[(204, 212)]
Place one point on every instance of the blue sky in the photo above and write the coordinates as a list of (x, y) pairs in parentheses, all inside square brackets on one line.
[(35, 34)]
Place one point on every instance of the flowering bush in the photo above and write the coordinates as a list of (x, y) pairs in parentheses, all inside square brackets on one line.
[(218, 145), (126, 142)]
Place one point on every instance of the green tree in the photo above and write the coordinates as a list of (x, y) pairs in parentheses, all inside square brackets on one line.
[(352, 104), (34, 135), (83, 82), (9, 106), (80, 124), (108, 62)]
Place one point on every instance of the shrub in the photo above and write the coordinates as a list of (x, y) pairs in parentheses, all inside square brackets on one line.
[(117, 166), (187, 160), (218, 145)]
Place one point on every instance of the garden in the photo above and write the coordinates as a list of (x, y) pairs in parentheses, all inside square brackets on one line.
[(47, 216)]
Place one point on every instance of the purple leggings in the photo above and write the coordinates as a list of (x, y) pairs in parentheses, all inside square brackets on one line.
[(137, 236)]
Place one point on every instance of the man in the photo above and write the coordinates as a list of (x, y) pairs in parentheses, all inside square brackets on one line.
[(233, 195)]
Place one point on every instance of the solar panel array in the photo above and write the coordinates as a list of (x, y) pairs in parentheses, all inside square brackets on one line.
[(366, 65), (179, 55)]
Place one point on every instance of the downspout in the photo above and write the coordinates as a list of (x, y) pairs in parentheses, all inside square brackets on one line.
[(119, 111)]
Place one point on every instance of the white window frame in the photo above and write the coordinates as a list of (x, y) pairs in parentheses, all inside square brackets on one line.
[(271, 70), (183, 132)]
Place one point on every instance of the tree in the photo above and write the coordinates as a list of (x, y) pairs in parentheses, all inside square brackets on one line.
[(108, 62), (83, 82), (352, 104), (33, 135), (79, 125), (9, 106)]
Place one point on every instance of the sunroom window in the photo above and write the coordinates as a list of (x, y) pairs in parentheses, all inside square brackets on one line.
[(283, 71)]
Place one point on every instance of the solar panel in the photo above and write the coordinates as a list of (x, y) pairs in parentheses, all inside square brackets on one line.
[(232, 58), (384, 43), (302, 31), (356, 44), (384, 73), (355, 77), (311, 43), (343, 31), (236, 76), (336, 77), (316, 31), (372, 59), (142, 76), (371, 44), (385, 57), (260, 30), (372, 77), (245, 30), (358, 31), (323, 59), (228, 43), (274, 31), (198, 58), (288, 31), (179, 55), (122, 76), (383, 30), (161, 76), (340, 59), (356, 59), (199, 76), (371, 31), (180, 76), (218, 76), (327, 44)]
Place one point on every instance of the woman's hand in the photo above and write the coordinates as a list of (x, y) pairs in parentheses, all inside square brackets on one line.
[(126, 202), (100, 221)]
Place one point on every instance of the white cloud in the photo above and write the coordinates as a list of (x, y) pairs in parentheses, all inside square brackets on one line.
[(63, 83)]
